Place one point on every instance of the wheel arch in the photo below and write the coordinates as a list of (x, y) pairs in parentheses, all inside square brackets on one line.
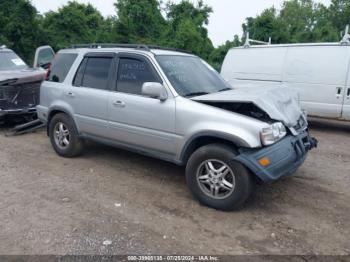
[(206, 138), (54, 111)]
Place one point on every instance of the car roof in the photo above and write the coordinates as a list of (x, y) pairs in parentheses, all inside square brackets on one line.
[(169, 52), (5, 49), (142, 49)]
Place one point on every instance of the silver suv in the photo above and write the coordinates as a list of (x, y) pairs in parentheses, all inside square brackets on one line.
[(174, 106)]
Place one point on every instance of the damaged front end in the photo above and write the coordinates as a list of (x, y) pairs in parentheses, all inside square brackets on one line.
[(286, 140), (243, 108), (20, 96), (19, 99), (276, 128), (267, 104)]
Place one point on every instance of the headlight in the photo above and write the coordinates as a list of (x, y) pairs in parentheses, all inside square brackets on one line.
[(273, 133)]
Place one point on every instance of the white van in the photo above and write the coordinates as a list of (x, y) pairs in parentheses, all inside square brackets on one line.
[(318, 72)]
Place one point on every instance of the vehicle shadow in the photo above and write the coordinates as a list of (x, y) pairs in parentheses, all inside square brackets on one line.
[(263, 196), (5, 126), (326, 125), (133, 161)]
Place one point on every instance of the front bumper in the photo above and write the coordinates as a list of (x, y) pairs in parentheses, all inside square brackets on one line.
[(19, 99), (23, 111), (285, 157)]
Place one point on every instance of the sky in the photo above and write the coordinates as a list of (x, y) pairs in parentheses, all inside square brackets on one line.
[(225, 22)]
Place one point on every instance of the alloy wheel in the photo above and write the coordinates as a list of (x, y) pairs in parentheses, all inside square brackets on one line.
[(61, 135), (216, 179)]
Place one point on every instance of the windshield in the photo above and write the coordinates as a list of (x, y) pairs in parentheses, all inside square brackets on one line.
[(191, 76), (9, 61)]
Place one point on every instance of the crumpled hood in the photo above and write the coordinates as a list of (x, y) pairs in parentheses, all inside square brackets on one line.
[(277, 102), (21, 76)]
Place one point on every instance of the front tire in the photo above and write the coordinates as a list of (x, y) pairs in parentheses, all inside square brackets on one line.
[(64, 136), (216, 179)]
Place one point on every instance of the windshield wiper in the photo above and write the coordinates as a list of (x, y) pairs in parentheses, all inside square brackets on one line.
[(225, 89), (196, 94)]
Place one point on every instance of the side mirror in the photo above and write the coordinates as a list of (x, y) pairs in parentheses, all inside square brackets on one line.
[(154, 90)]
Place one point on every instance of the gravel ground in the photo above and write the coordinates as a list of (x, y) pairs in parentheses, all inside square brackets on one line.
[(110, 201)]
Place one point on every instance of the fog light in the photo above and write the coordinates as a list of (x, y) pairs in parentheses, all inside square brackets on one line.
[(264, 161)]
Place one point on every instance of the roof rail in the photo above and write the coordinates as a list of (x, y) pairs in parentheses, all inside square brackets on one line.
[(107, 45), (135, 46), (248, 41), (346, 36), (3, 46)]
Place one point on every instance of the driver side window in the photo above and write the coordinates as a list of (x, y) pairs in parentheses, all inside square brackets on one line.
[(132, 74)]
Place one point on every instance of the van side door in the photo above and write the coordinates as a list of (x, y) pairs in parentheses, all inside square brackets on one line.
[(346, 107), (318, 74), (89, 92), (346, 104), (136, 120)]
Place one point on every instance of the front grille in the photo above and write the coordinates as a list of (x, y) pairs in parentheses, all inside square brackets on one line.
[(22, 96)]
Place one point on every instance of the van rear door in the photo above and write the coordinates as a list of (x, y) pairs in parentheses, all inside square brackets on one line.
[(318, 74)]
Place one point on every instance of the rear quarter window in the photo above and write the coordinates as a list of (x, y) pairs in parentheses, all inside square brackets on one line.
[(61, 66)]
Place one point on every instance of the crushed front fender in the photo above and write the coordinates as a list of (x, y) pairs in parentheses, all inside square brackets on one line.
[(284, 157)]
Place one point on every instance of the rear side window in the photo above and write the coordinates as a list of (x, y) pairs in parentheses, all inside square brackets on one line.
[(96, 72), (93, 72), (61, 66), (132, 74)]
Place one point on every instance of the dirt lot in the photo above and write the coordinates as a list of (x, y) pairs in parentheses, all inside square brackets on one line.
[(52, 205)]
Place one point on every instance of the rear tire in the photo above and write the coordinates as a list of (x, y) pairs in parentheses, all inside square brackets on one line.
[(64, 136), (216, 179)]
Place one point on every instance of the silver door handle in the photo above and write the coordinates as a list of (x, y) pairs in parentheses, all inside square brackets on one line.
[(119, 103), (70, 94), (339, 91)]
